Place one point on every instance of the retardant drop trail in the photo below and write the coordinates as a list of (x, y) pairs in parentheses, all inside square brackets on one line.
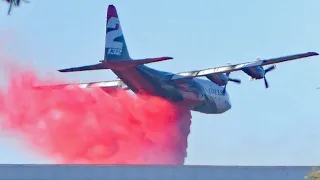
[(92, 127)]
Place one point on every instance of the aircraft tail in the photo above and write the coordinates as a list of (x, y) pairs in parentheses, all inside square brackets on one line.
[(116, 55), (115, 44)]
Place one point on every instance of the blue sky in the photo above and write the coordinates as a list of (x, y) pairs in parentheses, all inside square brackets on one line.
[(275, 126)]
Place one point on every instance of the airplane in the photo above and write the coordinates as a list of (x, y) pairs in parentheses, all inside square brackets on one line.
[(208, 96)]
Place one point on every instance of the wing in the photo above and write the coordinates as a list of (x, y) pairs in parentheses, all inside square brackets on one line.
[(115, 84), (241, 66)]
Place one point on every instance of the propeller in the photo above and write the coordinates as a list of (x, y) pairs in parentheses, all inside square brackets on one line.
[(273, 67), (265, 72), (238, 81)]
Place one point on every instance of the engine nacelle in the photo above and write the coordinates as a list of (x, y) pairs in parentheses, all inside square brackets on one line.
[(219, 79), (256, 72)]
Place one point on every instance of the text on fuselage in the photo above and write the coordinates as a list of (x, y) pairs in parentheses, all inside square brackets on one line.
[(215, 91)]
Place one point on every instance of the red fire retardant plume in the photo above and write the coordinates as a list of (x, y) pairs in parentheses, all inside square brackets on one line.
[(90, 126)]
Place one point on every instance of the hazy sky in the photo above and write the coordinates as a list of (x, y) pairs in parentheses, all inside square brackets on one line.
[(275, 126)]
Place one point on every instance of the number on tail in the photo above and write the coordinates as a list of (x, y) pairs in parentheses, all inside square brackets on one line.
[(114, 47)]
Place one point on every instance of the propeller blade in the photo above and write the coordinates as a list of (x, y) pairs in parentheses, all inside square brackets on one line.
[(270, 68), (224, 89), (10, 7), (238, 81), (266, 82)]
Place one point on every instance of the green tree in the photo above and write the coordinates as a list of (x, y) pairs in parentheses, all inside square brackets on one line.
[(314, 174)]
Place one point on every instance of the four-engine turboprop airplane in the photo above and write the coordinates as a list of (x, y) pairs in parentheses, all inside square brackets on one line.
[(201, 95)]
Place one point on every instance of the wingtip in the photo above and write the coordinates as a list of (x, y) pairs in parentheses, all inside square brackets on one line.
[(62, 70), (165, 58), (314, 53)]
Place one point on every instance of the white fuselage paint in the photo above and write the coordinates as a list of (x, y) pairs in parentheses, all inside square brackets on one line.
[(216, 101), (198, 94)]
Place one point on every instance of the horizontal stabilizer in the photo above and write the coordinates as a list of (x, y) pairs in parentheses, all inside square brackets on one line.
[(115, 65), (85, 68), (124, 64)]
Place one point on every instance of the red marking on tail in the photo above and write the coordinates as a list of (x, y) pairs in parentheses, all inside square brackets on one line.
[(112, 12)]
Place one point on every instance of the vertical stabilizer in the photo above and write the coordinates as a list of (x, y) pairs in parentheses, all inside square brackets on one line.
[(115, 45)]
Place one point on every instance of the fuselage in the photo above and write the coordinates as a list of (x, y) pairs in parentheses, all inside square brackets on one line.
[(196, 94)]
